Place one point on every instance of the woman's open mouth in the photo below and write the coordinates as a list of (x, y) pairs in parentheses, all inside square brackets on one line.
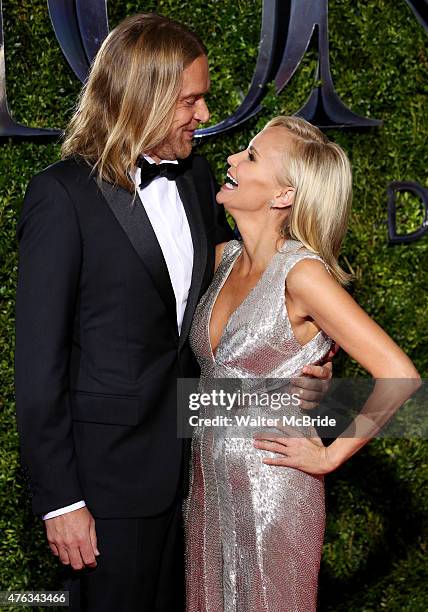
[(230, 183)]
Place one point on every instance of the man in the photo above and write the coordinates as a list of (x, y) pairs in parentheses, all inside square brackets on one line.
[(116, 248)]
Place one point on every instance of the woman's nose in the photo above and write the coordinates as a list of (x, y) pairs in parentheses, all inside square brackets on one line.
[(233, 159)]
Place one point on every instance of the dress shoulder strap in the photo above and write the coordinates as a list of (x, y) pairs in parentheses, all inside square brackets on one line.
[(293, 251), (230, 252)]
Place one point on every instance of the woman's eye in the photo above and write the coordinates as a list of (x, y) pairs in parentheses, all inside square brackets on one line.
[(190, 101), (250, 156)]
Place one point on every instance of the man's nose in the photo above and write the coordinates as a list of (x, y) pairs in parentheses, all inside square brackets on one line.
[(202, 113)]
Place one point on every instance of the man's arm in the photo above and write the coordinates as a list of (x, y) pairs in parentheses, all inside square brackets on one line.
[(48, 280), (48, 277)]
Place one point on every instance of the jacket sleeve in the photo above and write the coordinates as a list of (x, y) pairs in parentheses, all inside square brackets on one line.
[(48, 279)]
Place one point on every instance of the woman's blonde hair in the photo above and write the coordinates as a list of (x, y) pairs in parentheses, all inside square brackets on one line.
[(320, 173), (127, 104)]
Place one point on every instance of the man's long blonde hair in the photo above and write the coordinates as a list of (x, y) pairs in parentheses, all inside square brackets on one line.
[(320, 173), (127, 104)]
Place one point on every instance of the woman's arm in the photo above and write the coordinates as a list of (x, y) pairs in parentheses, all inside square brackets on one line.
[(346, 323), (337, 313)]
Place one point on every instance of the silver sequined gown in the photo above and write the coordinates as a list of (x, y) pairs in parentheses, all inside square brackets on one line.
[(254, 532)]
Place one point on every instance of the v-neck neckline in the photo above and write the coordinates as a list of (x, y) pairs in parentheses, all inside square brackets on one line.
[(240, 305)]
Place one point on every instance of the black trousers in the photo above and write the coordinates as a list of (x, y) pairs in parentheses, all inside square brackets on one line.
[(140, 567)]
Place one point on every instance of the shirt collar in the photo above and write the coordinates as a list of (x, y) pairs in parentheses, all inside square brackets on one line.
[(162, 161)]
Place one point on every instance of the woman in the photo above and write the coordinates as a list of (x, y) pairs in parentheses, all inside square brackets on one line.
[(255, 513)]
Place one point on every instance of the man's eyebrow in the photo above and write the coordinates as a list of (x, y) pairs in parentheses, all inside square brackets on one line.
[(197, 93)]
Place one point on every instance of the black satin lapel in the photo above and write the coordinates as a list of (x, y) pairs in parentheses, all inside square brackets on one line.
[(134, 221), (189, 197)]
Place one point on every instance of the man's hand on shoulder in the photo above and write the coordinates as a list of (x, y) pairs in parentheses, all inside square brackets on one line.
[(72, 538)]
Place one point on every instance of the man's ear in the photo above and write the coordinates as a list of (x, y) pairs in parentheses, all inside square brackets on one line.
[(283, 199)]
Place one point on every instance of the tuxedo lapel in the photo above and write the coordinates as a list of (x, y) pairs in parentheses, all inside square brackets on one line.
[(189, 197), (133, 219)]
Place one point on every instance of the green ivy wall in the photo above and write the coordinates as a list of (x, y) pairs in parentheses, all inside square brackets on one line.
[(377, 505)]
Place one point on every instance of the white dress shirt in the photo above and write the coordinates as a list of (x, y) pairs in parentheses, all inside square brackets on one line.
[(165, 210), (167, 216)]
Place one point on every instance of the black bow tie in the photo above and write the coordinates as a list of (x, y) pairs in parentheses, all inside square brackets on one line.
[(151, 171)]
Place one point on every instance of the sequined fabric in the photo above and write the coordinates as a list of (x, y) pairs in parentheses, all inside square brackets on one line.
[(253, 532)]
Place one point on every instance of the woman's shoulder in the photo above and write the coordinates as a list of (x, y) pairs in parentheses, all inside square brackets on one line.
[(299, 260), (301, 265), (307, 273)]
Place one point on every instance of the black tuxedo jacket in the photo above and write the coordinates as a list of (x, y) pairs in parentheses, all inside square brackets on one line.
[(98, 351)]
